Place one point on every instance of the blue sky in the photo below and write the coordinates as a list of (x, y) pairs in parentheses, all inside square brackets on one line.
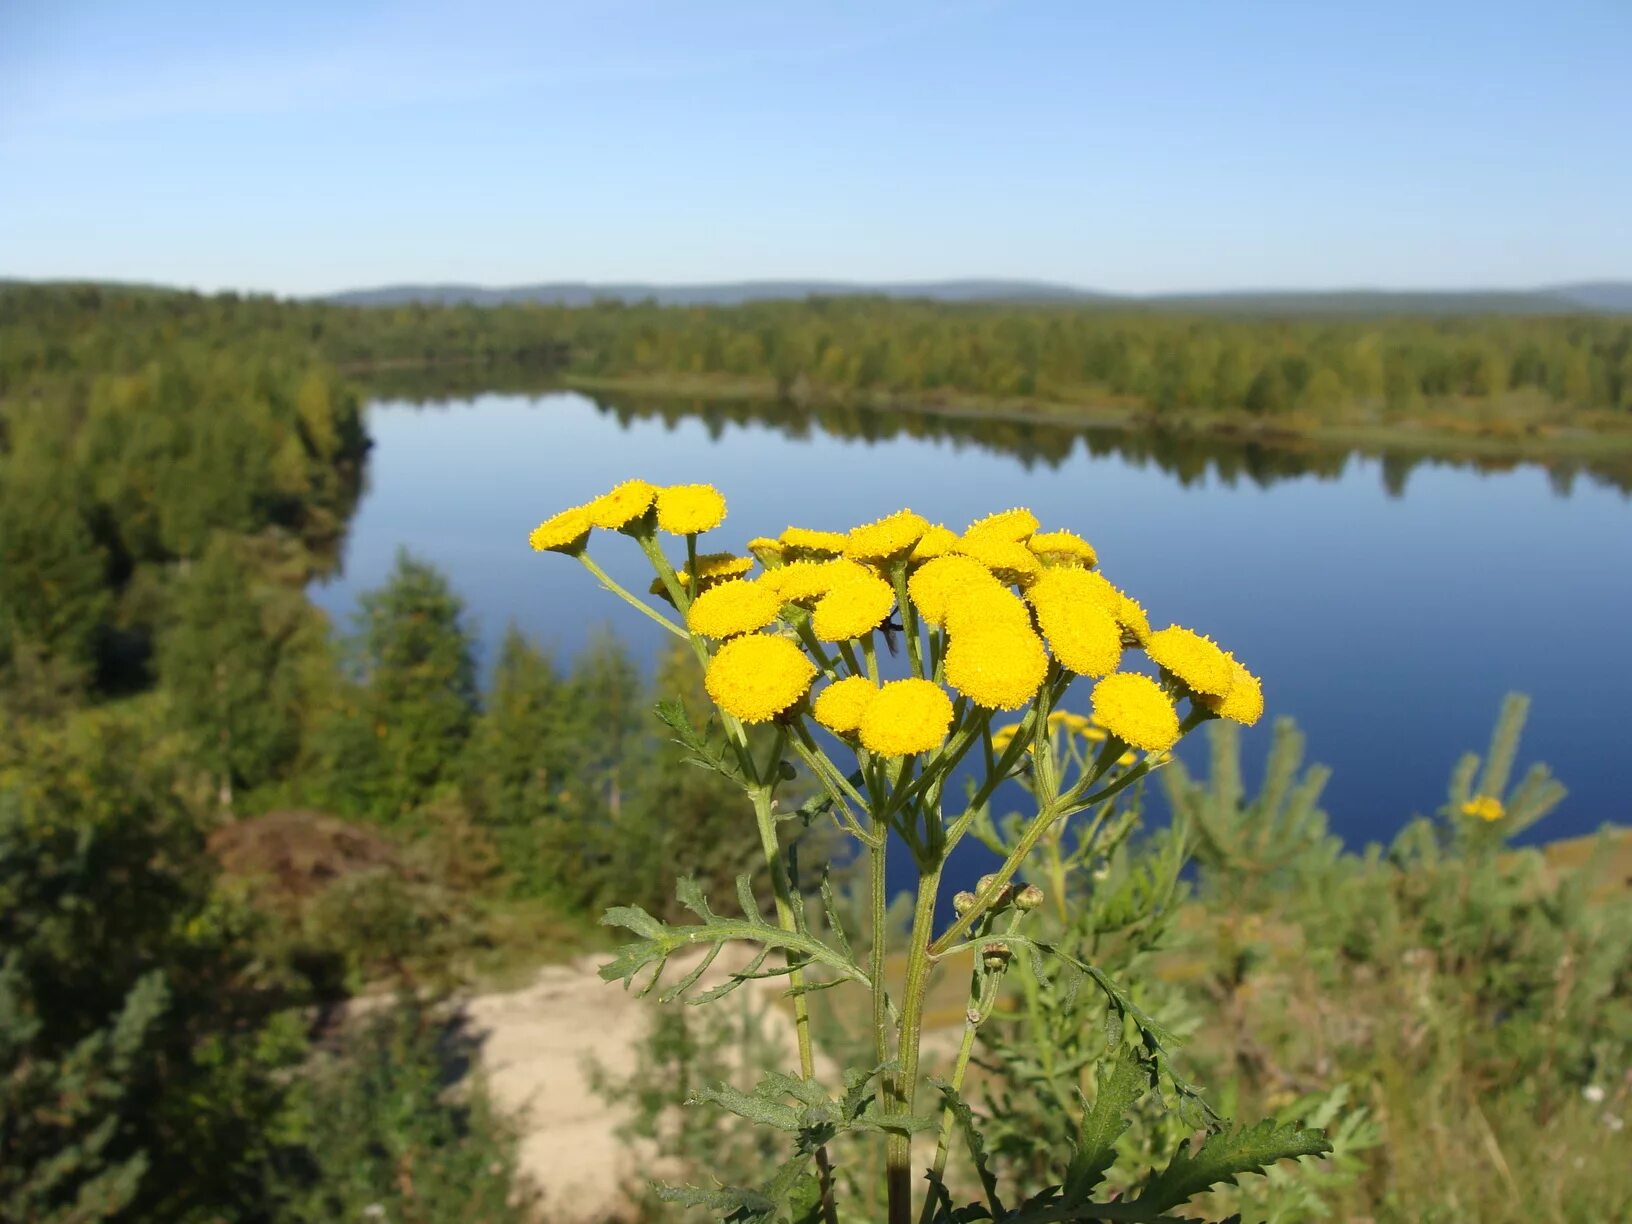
[(302, 147)]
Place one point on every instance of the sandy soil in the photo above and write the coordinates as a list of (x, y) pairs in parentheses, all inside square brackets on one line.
[(538, 1041)]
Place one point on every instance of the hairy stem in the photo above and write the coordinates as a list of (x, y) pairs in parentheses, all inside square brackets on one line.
[(898, 1151)]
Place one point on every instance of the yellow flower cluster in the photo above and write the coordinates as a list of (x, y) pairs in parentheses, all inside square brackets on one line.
[(1484, 807), (680, 509), (1006, 607)]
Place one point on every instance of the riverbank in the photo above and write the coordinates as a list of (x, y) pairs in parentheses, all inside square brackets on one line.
[(1495, 435)]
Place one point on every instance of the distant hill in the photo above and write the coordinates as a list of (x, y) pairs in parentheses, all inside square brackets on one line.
[(1599, 297), (729, 293)]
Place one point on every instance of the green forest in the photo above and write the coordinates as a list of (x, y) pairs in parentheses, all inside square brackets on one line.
[(222, 817)]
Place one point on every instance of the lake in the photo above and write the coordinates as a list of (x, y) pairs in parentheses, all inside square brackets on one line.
[(1388, 605)]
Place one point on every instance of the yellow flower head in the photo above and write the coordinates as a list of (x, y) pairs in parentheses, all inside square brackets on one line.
[(729, 608), (802, 581), (1130, 614), (1136, 710), (852, 607), (998, 667), (1082, 635), (686, 509), (1198, 661), (1062, 548), (803, 542), (565, 532), (1244, 703), (937, 541), (992, 606), (623, 505), (1128, 758), (1015, 525), (711, 568), (892, 536), (906, 717), (768, 550), (1009, 560), (840, 705), (934, 585), (1004, 736), (1069, 585), (1484, 807), (758, 676)]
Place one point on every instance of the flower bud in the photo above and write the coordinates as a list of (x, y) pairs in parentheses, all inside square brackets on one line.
[(1028, 898), (962, 903), (986, 881), (996, 956)]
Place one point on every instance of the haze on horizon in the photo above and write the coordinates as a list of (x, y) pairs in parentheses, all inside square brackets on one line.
[(307, 148)]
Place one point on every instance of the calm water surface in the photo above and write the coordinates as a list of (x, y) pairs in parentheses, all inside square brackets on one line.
[(1388, 610)]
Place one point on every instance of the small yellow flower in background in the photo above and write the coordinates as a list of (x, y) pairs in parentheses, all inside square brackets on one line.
[(935, 542), (906, 717), (999, 667), (758, 676), (802, 581), (1083, 636), (934, 585), (889, 537), (1244, 703), (729, 608), (1484, 807), (851, 608), (768, 551), (1004, 736), (1136, 710), (622, 505), (1062, 548), (1074, 723), (1014, 525), (1093, 734), (688, 509), (1199, 661), (1009, 560), (712, 568), (1128, 758), (840, 705), (802, 541), (564, 532)]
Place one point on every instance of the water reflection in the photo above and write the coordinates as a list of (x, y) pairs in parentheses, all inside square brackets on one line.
[(1189, 456)]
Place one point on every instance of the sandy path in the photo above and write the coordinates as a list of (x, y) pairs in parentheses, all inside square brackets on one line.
[(537, 1041)]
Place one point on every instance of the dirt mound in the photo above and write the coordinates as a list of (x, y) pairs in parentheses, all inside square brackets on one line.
[(291, 856)]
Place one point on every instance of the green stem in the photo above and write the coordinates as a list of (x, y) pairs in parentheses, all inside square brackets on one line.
[(982, 994), (780, 889), (607, 581), (909, 619), (1000, 880), (898, 1150)]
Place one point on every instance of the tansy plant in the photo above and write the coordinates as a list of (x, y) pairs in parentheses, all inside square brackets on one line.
[(993, 624)]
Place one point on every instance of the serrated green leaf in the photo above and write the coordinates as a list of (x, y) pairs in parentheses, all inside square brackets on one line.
[(1224, 1156), (1123, 1082), (965, 1119)]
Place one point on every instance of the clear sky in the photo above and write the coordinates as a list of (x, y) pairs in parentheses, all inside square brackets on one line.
[(311, 145)]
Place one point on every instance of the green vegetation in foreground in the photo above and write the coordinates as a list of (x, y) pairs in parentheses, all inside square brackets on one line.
[(218, 820), (1454, 1013)]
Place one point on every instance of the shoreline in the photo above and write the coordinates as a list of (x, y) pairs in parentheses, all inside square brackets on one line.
[(1588, 439)]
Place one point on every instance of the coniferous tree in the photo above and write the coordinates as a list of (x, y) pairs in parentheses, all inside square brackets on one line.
[(229, 661), (402, 723)]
